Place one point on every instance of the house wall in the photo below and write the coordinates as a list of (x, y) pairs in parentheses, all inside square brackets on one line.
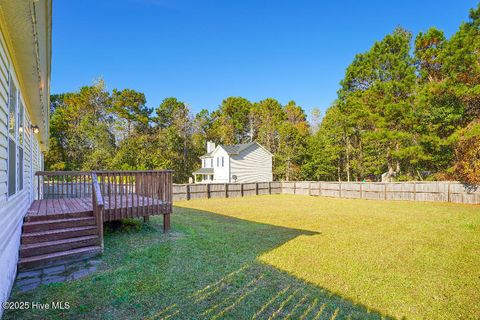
[(221, 174), (13, 208), (253, 164)]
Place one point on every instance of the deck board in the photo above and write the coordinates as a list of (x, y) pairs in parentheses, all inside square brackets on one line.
[(118, 207)]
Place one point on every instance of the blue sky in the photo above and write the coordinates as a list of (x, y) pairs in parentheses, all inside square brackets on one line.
[(202, 51)]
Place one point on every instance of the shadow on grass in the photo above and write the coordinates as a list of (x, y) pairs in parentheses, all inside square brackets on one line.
[(206, 268)]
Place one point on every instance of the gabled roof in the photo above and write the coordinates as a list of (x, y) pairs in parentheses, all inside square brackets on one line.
[(237, 148), (234, 149)]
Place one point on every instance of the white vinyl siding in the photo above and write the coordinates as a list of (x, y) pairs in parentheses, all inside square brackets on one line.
[(253, 164), (14, 207), (221, 172)]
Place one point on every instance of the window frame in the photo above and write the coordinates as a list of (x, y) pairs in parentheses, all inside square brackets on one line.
[(17, 138)]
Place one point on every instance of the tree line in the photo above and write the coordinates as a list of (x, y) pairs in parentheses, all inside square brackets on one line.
[(408, 108)]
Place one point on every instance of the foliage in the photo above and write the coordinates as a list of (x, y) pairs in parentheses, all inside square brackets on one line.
[(401, 113), (400, 110), (467, 152)]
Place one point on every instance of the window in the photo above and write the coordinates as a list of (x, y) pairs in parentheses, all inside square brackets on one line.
[(218, 161), (21, 129), (15, 140), (223, 163), (211, 163)]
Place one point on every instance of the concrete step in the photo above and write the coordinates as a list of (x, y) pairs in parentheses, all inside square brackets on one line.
[(40, 248), (58, 224), (54, 258), (57, 234)]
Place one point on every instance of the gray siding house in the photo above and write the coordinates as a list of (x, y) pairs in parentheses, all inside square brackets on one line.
[(249, 162)]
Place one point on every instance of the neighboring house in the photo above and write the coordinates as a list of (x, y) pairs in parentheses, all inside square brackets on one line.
[(25, 57), (249, 162)]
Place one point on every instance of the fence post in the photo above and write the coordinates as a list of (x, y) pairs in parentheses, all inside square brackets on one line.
[(340, 189), (226, 190), (188, 192), (294, 188), (256, 188), (414, 191), (319, 188), (448, 193), (241, 189), (385, 190), (269, 188), (208, 190), (361, 190)]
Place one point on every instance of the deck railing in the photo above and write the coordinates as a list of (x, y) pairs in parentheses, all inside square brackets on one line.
[(136, 193), (63, 184), (126, 194), (98, 207)]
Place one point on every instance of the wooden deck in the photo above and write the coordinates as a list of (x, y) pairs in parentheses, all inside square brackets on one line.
[(115, 207), (66, 220)]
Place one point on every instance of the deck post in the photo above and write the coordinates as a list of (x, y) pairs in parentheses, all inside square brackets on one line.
[(166, 222)]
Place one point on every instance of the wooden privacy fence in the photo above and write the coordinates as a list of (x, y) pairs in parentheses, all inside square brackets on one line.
[(413, 191), (439, 191), (224, 190)]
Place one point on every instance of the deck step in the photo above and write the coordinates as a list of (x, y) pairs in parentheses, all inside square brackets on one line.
[(58, 224), (57, 234), (40, 248), (57, 216), (51, 258)]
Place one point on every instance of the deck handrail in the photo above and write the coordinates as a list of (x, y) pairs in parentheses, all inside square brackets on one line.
[(125, 194), (98, 206)]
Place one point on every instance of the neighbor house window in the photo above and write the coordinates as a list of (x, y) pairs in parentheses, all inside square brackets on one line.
[(223, 163), (211, 163), (218, 162), (15, 140)]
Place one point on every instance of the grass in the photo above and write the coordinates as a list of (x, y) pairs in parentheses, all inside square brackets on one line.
[(292, 257)]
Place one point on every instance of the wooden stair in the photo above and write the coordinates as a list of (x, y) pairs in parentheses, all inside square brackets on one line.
[(50, 239)]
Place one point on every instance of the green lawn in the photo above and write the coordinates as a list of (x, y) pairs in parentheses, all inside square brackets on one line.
[(292, 257)]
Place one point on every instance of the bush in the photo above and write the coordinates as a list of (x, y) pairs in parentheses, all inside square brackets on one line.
[(467, 152), (124, 225)]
